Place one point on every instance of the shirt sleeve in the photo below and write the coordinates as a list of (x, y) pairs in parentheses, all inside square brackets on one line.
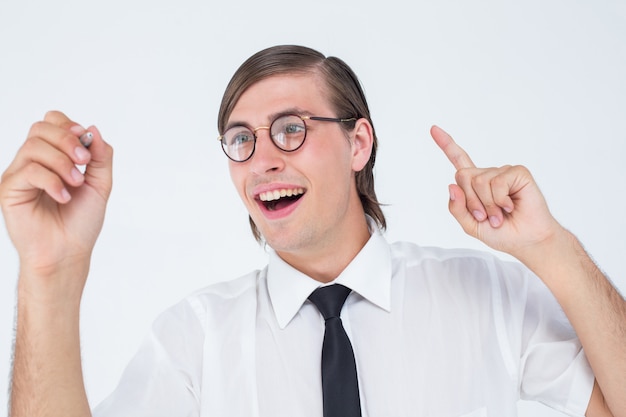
[(164, 377), (553, 367)]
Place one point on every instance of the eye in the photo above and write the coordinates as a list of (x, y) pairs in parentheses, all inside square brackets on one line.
[(289, 126), (239, 138), (293, 128), (242, 139)]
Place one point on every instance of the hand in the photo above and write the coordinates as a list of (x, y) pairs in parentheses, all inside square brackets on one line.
[(502, 207), (53, 212)]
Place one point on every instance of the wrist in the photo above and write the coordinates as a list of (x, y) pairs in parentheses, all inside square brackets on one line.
[(56, 286), (556, 260)]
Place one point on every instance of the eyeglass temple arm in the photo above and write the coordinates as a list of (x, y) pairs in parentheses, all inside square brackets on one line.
[(328, 119)]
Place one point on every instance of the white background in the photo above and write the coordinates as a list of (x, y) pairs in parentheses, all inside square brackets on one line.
[(540, 83)]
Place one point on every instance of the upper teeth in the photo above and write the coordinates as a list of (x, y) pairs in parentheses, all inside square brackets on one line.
[(276, 194)]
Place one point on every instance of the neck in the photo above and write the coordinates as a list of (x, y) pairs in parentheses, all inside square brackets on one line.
[(326, 261)]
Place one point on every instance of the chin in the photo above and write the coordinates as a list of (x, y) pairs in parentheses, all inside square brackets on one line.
[(283, 242)]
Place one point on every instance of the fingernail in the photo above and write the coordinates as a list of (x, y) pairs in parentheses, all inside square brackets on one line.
[(494, 221), (77, 130), (452, 196), (479, 215), (65, 195), (81, 153), (76, 175)]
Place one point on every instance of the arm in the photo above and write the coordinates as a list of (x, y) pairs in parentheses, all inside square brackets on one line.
[(53, 214), (504, 208), (596, 311)]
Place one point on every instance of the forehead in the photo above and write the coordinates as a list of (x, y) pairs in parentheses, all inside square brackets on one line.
[(279, 93)]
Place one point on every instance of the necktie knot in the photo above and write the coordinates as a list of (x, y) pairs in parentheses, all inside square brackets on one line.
[(329, 300)]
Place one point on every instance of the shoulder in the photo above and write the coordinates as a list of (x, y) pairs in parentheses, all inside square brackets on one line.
[(230, 289), (206, 307), (465, 267), (233, 297), (414, 254)]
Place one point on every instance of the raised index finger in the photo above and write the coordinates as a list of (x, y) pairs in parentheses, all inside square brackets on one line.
[(459, 158)]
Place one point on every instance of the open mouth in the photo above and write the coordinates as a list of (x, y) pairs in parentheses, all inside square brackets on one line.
[(279, 199)]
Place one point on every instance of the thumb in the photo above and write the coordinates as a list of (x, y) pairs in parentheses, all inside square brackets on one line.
[(99, 170), (458, 209)]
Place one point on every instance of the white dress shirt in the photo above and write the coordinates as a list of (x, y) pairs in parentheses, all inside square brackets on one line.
[(435, 332)]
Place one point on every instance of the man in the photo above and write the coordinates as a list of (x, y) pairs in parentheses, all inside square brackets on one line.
[(432, 332)]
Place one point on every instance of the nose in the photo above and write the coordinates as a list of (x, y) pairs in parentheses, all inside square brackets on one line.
[(267, 157)]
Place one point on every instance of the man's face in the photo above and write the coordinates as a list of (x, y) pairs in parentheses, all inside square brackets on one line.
[(319, 204)]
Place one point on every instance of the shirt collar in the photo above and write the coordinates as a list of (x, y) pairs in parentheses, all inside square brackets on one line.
[(369, 275)]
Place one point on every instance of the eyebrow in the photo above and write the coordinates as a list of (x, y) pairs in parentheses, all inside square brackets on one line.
[(291, 110)]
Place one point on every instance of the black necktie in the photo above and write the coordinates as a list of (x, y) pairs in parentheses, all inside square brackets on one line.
[(340, 386)]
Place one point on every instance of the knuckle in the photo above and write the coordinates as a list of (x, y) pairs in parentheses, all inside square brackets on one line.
[(480, 181), (46, 131), (522, 169), (36, 128), (462, 175), (473, 203), (68, 137), (456, 159), (30, 145), (502, 201), (3, 179), (30, 169), (52, 115), (489, 205), (498, 181), (60, 161), (57, 118)]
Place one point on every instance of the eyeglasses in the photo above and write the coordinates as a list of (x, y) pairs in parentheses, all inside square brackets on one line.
[(287, 132)]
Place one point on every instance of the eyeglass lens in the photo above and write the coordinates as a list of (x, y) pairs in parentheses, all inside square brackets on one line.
[(287, 132)]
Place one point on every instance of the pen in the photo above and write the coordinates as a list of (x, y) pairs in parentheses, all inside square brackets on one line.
[(86, 139)]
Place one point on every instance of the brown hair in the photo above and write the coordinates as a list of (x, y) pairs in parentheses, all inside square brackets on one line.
[(346, 96)]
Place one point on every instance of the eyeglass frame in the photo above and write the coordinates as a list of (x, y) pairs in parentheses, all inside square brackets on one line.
[(221, 138)]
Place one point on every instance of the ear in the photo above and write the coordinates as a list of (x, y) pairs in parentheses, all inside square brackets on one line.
[(362, 143)]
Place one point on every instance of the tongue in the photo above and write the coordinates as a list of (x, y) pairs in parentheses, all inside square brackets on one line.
[(282, 203)]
